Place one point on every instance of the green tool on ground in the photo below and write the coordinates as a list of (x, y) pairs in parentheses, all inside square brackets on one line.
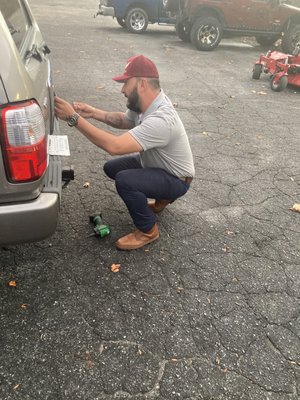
[(99, 229)]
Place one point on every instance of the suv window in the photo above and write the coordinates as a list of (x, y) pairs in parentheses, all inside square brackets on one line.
[(16, 19)]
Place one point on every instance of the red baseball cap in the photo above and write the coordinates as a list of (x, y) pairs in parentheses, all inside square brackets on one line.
[(138, 66)]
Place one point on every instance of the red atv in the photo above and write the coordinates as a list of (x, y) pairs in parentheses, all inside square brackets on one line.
[(283, 68)]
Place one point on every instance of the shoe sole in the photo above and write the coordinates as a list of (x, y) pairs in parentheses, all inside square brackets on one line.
[(136, 247)]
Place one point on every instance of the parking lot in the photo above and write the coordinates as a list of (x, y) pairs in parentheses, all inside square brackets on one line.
[(212, 309)]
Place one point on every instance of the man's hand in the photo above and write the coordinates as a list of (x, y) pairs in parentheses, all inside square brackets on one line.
[(83, 109), (63, 109)]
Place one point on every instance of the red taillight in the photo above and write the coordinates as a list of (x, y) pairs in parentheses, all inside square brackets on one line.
[(23, 139)]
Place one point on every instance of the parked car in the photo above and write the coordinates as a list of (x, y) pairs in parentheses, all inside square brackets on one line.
[(136, 15), (30, 179), (206, 22)]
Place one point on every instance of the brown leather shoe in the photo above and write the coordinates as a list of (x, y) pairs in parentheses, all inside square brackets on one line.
[(159, 205), (137, 239)]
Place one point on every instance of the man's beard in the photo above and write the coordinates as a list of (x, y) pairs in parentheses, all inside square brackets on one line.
[(133, 101)]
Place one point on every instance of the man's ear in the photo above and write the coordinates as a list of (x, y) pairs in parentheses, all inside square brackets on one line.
[(143, 83)]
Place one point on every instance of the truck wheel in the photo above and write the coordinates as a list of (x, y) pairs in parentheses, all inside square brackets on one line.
[(136, 20), (206, 33), (279, 85), (266, 40), (291, 40), (121, 21), (257, 70), (182, 32)]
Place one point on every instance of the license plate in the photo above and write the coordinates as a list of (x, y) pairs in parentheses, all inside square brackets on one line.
[(58, 145)]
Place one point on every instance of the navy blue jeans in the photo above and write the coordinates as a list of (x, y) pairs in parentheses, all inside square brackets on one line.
[(135, 184)]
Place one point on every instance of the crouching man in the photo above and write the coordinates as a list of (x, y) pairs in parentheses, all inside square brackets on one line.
[(162, 168)]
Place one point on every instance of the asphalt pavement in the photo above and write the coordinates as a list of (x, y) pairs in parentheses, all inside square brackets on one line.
[(209, 311)]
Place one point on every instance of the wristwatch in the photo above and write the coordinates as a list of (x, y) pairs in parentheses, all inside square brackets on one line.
[(72, 120)]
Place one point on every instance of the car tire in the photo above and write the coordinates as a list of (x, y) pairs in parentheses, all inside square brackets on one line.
[(266, 40), (121, 22), (291, 40), (182, 32), (206, 33), (136, 20), (279, 85), (257, 70)]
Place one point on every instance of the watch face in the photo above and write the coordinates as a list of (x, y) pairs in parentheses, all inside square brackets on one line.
[(72, 120)]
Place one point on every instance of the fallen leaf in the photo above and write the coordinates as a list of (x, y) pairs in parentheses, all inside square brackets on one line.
[(167, 48), (115, 268), (101, 349), (296, 207), (86, 184), (12, 284), (89, 361), (226, 249)]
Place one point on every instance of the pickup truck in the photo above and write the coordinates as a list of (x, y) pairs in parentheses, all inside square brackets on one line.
[(135, 16)]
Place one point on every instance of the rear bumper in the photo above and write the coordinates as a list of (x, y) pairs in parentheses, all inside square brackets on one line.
[(106, 11), (33, 220), (29, 222)]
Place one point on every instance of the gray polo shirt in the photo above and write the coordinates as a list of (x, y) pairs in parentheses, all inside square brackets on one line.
[(163, 138)]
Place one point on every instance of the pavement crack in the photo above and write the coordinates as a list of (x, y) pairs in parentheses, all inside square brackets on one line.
[(276, 349)]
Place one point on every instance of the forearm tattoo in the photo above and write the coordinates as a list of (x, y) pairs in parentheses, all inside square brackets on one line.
[(114, 119)]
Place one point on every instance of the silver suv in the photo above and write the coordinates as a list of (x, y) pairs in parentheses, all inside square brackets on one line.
[(30, 179)]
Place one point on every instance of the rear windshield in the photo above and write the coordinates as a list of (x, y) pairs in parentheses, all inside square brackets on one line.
[(16, 19)]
